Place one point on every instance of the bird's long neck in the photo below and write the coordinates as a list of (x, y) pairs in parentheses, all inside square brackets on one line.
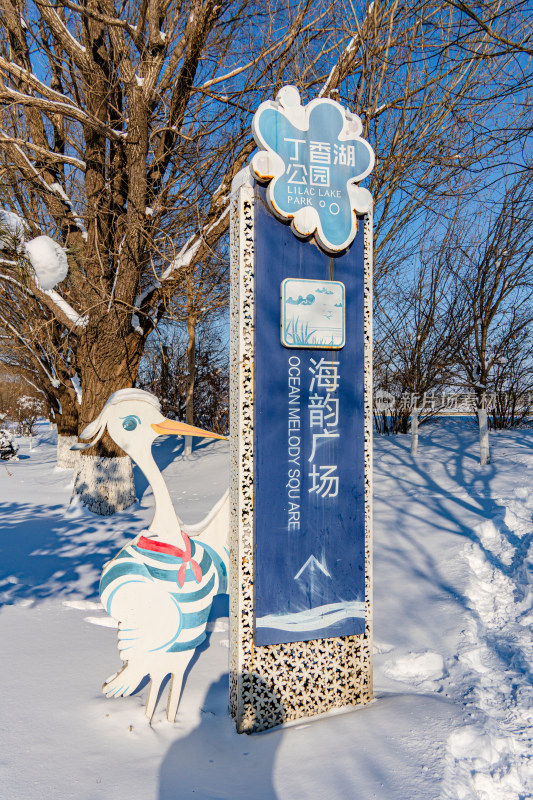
[(165, 525)]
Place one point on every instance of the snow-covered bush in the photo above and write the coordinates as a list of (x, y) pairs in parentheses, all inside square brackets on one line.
[(27, 412), (12, 231), (8, 448)]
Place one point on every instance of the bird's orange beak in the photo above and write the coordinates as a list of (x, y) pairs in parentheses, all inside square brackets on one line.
[(170, 426)]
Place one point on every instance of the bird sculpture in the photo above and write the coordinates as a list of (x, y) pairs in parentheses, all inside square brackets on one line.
[(161, 586)]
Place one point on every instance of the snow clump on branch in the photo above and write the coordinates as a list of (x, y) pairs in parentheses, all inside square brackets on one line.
[(49, 261)]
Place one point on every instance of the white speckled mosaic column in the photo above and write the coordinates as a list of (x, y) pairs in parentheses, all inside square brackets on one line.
[(277, 683)]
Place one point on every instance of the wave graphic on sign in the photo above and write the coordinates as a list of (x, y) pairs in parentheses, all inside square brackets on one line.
[(313, 618)]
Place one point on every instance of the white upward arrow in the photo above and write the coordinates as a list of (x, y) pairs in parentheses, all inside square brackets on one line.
[(309, 563)]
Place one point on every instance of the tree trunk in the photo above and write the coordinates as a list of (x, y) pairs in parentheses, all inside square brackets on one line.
[(109, 362), (481, 397), (105, 485), (484, 453), (66, 457), (191, 377), (414, 432), (67, 431)]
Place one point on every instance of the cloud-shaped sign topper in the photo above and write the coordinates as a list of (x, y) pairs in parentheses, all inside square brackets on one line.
[(313, 157)]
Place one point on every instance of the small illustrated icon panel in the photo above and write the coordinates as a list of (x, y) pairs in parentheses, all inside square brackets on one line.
[(312, 314)]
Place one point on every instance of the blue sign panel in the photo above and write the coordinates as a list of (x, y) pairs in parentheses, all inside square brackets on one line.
[(308, 449), (313, 157)]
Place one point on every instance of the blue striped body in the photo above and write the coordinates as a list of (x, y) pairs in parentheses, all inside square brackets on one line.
[(140, 589)]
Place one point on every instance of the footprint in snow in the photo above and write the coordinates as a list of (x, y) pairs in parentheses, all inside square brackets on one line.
[(417, 668), (382, 647)]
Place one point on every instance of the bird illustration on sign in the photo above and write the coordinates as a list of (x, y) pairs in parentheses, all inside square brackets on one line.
[(161, 586), (312, 313)]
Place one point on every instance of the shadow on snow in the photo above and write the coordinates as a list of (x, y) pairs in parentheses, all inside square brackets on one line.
[(56, 551)]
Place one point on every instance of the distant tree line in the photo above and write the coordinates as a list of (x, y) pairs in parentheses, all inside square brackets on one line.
[(164, 371), (462, 318)]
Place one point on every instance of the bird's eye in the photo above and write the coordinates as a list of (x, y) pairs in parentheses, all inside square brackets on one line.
[(130, 423)]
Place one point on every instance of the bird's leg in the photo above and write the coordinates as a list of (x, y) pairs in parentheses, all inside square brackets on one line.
[(176, 682), (174, 693), (156, 680)]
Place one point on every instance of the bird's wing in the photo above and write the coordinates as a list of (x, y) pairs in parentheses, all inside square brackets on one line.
[(197, 528), (214, 528), (149, 619)]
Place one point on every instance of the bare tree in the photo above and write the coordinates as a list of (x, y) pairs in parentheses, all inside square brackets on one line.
[(37, 346), (122, 128), (443, 109), (121, 132), (494, 268), (206, 296), (416, 336), (511, 380), (163, 371), (507, 23)]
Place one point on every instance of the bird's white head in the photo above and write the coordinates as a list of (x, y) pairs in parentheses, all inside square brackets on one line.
[(133, 419)]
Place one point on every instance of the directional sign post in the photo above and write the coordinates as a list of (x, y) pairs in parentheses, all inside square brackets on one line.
[(300, 627)]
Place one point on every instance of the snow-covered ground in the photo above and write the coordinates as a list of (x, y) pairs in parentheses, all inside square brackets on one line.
[(452, 597)]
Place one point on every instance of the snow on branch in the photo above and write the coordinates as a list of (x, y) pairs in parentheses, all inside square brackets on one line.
[(34, 385), (27, 162), (58, 189), (76, 319), (34, 82), (62, 33), (75, 381), (191, 248), (12, 230), (183, 260), (135, 321), (55, 187), (63, 159), (8, 278), (184, 257), (64, 109), (49, 264), (90, 13), (243, 68)]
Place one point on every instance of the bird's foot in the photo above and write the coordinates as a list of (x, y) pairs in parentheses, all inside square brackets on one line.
[(123, 683)]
